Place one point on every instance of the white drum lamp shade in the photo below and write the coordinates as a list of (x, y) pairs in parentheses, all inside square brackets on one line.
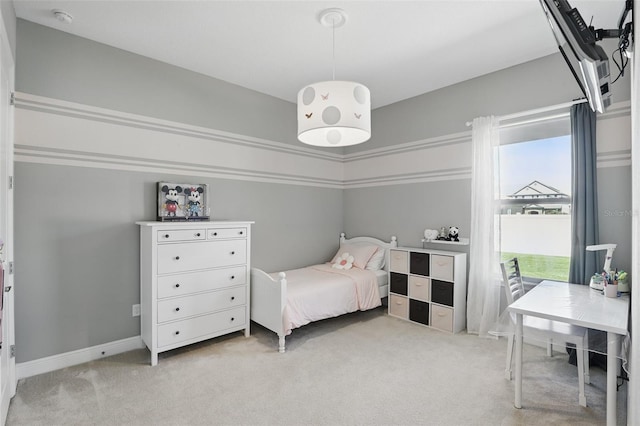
[(334, 114)]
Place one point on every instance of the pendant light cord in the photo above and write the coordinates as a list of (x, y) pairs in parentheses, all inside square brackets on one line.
[(333, 38)]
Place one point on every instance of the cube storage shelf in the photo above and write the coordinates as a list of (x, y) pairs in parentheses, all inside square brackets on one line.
[(429, 287)]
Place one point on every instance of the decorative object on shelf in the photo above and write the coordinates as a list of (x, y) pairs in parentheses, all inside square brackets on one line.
[(453, 233), (430, 234), (182, 201), (450, 235), (194, 195), (443, 234), (334, 113)]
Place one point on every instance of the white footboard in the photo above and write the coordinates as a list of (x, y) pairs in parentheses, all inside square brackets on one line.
[(268, 300)]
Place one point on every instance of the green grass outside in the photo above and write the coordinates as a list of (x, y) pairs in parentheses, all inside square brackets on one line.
[(540, 266)]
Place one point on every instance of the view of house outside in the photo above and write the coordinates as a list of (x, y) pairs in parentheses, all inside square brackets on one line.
[(535, 206)]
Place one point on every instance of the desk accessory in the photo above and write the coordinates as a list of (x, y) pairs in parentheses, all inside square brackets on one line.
[(597, 281)]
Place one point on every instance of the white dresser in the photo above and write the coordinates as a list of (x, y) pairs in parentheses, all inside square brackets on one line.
[(194, 282)]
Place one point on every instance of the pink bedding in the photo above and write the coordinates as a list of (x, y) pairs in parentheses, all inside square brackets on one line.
[(320, 291)]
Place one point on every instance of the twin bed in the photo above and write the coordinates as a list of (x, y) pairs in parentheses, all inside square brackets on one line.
[(355, 280)]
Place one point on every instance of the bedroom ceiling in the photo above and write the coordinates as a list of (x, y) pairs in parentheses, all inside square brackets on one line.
[(399, 49)]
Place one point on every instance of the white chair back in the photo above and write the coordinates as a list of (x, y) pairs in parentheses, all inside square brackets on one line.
[(513, 286)]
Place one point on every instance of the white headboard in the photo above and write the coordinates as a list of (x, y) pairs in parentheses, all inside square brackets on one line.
[(386, 245)]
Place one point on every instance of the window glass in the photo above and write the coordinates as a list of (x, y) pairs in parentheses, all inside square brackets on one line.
[(535, 204)]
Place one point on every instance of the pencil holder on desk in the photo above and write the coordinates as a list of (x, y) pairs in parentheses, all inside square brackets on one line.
[(611, 290)]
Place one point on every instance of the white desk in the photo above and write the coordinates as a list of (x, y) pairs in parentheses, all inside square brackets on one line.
[(580, 305)]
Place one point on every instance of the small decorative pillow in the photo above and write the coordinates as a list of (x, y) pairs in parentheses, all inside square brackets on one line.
[(377, 261), (343, 262), (361, 253)]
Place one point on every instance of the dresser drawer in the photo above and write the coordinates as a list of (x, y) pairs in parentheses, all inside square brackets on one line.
[(202, 255), (419, 288), (442, 267), (172, 235), (222, 233), (442, 318), (194, 282), (192, 328), (198, 304), (399, 306)]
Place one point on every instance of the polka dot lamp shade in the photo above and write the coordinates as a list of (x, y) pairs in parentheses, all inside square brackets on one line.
[(334, 114)]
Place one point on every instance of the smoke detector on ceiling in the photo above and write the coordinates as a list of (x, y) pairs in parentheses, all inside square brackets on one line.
[(62, 16)]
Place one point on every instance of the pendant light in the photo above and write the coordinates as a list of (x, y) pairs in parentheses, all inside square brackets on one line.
[(334, 113)]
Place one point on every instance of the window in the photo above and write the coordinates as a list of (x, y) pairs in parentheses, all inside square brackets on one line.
[(535, 197)]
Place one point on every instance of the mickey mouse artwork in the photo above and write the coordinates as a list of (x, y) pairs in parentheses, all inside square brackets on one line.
[(182, 202), (194, 195), (171, 199)]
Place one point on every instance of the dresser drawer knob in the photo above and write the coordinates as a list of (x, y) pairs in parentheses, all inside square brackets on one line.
[(177, 257), (177, 309), (233, 277), (215, 234), (233, 252), (166, 235), (177, 285), (198, 234), (232, 319), (241, 232), (233, 298), (177, 332)]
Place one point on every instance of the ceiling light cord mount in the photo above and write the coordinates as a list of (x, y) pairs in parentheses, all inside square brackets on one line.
[(334, 113), (62, 16)]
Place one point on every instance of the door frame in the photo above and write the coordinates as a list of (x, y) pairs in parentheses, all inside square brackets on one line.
[(8, 380)]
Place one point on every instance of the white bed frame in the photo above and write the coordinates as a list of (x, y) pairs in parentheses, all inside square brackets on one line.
[(269, 296)]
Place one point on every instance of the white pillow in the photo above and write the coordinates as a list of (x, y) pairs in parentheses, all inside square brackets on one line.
[(377, 260), (343, 262), (361, 253)]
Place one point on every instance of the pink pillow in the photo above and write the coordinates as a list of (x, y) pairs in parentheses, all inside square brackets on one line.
[(361, 253)]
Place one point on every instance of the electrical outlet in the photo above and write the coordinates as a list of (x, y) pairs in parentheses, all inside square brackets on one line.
[(135, 310)]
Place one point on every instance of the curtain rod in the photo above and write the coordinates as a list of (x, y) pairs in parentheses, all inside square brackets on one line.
[(535, 111)]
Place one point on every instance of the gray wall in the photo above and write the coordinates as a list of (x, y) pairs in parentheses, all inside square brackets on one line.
[(406, 210), (57, 65), (614, 201), (535, 84), (77, 246), (77, 261)]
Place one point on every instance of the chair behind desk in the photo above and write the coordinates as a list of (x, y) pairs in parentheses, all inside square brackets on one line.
[(543, 329)]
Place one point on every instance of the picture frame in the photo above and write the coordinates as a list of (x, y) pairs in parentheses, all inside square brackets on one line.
[(182, 202)]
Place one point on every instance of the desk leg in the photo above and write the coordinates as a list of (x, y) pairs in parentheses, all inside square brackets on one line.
[(612, 369), (518, 337)]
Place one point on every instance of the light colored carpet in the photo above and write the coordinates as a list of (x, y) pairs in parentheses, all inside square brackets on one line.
[(363, 368)]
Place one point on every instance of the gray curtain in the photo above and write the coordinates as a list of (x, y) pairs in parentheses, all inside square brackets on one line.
[(584, 204)]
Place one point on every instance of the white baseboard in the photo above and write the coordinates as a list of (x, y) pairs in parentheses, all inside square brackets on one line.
[(68, 359)]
